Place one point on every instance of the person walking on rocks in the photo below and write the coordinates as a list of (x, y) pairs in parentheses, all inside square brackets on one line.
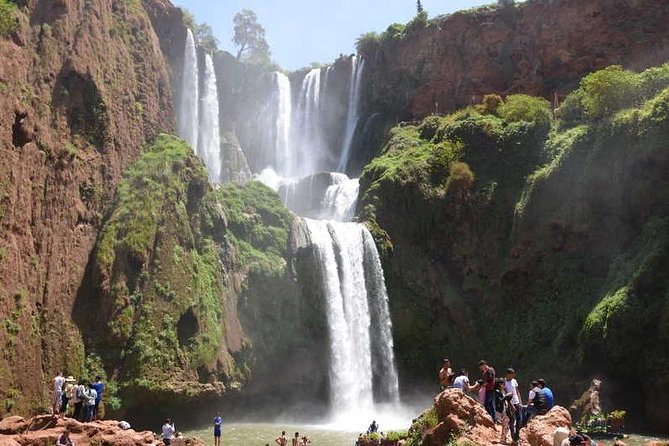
[(281, 440), (218, 422), (57, 399), (445, 374), (488, 382)]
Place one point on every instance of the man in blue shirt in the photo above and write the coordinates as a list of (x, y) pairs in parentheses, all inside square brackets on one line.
[(549, 393), (99, 387)]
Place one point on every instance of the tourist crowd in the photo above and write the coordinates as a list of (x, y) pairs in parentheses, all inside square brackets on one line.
[(501, 396), (84, 396)]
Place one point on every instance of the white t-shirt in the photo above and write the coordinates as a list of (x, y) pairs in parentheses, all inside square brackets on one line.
[(461, 382), (533, 392), (512, 388), (58, 384), (168, 430)]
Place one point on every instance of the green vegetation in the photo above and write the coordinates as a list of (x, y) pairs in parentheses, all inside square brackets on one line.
[(426, 421), (160, 249), (8, 22), (511, 206), (259, 226)]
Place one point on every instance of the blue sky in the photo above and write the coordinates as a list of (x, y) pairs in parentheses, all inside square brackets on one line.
[(303, 31)]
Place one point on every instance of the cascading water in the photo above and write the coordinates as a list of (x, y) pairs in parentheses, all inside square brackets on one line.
[(188, 104), (307, 143), (362, 369), (209, 139), (284, 161), (352, 115)]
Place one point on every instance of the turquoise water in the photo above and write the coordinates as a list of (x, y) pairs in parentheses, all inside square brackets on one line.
[(260, 434)]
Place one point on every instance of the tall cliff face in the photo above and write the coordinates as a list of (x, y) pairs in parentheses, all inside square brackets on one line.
[(537, 47), (84, 85), (533, 245)]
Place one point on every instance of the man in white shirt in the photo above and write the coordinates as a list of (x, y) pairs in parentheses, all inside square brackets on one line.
[(58, 382), (511, 387), (168, 432), (462, 382)]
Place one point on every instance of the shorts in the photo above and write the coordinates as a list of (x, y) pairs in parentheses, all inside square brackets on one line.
[(167, 441), (217, 432)]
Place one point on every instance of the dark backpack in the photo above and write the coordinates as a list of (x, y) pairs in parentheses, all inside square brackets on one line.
[(540, 402)]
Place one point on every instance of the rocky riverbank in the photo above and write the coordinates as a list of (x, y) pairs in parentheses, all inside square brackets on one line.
[(45, 430)]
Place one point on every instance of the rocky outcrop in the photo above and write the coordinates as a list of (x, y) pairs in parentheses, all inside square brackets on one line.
[(457, 418), (84, 86), (17, 431)]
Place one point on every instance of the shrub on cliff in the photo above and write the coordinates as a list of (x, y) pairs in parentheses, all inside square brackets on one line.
[(7, 20), (522, 107)]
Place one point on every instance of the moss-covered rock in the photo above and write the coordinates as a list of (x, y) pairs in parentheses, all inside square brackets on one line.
[(157, 310), (548, 256)]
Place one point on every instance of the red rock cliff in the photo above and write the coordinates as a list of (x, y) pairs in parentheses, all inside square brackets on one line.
[(84, 85)]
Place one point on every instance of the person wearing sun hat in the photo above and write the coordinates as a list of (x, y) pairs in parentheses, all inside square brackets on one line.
[(67, 395)]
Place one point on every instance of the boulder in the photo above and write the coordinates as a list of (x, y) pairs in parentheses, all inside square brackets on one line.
[(539, 431), (13, 424), (45, 430)]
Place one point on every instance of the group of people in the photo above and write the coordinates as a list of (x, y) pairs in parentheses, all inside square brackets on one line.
[(85, 397), (282, 440), (500, 396)]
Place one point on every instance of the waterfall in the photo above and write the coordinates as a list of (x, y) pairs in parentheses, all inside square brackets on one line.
[(362, 369), (382, 343), (209, 140), (188, 104), (308, 140), (340, 198), (352, 115), (337, 247), (283, 103)]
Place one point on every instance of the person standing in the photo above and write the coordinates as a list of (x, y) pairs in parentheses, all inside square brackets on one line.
[(99, 387), (281, 440), (78, 400), (305, 441), (515, 409), (488, 382), (218, 422), (68, 394), (550, 401), (168, 431), (445, 374), (57, 399), (89, 403), (373, 428), (296, 439)]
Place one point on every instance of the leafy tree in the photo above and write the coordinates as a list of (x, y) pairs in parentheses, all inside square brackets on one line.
[(204, 36), (250, 39), (419, 7)]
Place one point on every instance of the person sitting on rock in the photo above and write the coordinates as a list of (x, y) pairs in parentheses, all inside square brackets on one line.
[(64, 439), (538, 404), (550, 402), (461, 382)]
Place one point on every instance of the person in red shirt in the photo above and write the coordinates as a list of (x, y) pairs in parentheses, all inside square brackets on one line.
[(488, 382)]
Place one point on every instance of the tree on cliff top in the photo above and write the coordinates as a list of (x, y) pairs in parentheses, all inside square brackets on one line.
[(419, 7), (250, 39)]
